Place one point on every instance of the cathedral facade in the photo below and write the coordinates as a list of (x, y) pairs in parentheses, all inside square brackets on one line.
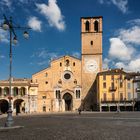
[(68, 83)]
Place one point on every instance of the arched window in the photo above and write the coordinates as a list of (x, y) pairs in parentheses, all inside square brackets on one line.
[(96, 26), (67, 62), (58, 96), (22, 91), (77, 94), (6, 91), (87, 26), (15, 91)]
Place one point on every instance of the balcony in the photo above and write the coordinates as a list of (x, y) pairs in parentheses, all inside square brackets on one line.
[(113, 88), (115, 101)]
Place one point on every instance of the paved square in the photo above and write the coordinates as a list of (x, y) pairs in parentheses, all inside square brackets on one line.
[(71, 126)]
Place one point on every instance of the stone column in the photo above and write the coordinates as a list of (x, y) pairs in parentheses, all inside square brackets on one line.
[(2, 91)]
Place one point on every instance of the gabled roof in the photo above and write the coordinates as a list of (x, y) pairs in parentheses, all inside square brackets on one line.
[(64, 57), (56, 59)]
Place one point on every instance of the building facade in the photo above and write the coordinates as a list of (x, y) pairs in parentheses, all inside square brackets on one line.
[(118, 90), (24, 96)]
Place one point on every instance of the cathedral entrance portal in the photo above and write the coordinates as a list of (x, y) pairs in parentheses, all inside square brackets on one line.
[(68, 101), (3, 106)]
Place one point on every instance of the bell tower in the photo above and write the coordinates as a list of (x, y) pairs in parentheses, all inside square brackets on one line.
[(91, 48)]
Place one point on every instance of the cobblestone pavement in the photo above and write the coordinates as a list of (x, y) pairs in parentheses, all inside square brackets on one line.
[(71, 126)]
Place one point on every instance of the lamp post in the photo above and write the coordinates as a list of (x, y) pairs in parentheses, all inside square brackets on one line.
[(8, 25)]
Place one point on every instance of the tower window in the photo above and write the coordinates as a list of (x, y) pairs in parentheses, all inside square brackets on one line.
[(60, 64), (73, 63), (87, 26), (91, 42), (96, 26)]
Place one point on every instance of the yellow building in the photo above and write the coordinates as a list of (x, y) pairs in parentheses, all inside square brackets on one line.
[(115, 90)]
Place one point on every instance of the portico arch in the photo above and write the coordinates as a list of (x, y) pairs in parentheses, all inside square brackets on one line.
[(18, 106), (68, 101), (3, 106)]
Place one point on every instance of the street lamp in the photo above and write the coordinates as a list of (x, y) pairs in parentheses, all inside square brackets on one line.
[(8, 25)]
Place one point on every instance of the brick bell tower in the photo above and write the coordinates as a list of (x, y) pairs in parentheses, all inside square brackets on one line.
[(91, 45)]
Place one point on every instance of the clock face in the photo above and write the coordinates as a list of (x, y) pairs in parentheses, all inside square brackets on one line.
[(91, 66)]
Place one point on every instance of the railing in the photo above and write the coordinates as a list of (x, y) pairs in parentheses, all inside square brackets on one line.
[(15, 96), (113, 88), (116, 101)]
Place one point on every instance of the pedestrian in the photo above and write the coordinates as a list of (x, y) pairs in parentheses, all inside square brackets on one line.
[(79, 110)]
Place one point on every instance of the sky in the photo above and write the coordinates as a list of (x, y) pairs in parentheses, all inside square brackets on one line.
[(56, 31)]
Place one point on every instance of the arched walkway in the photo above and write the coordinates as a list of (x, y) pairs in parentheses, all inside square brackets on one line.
[(68, 101), (3, 106), (137, 106), (18, 106)]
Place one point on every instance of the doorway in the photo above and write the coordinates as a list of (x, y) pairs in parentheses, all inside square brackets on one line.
[(68, 101), (3, 106)]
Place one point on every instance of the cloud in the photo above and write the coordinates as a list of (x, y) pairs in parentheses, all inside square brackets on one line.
[(119, 50), (133, 65), (134, 22), (122, 5), (131, 35), (7, 3), (3, 36), (106, 62), (76, 54), (34, 23), (52, 13), (44, 57), (2, 56), (124, 48)]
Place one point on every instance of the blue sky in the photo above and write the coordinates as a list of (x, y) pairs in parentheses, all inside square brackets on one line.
[(56, 32)]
